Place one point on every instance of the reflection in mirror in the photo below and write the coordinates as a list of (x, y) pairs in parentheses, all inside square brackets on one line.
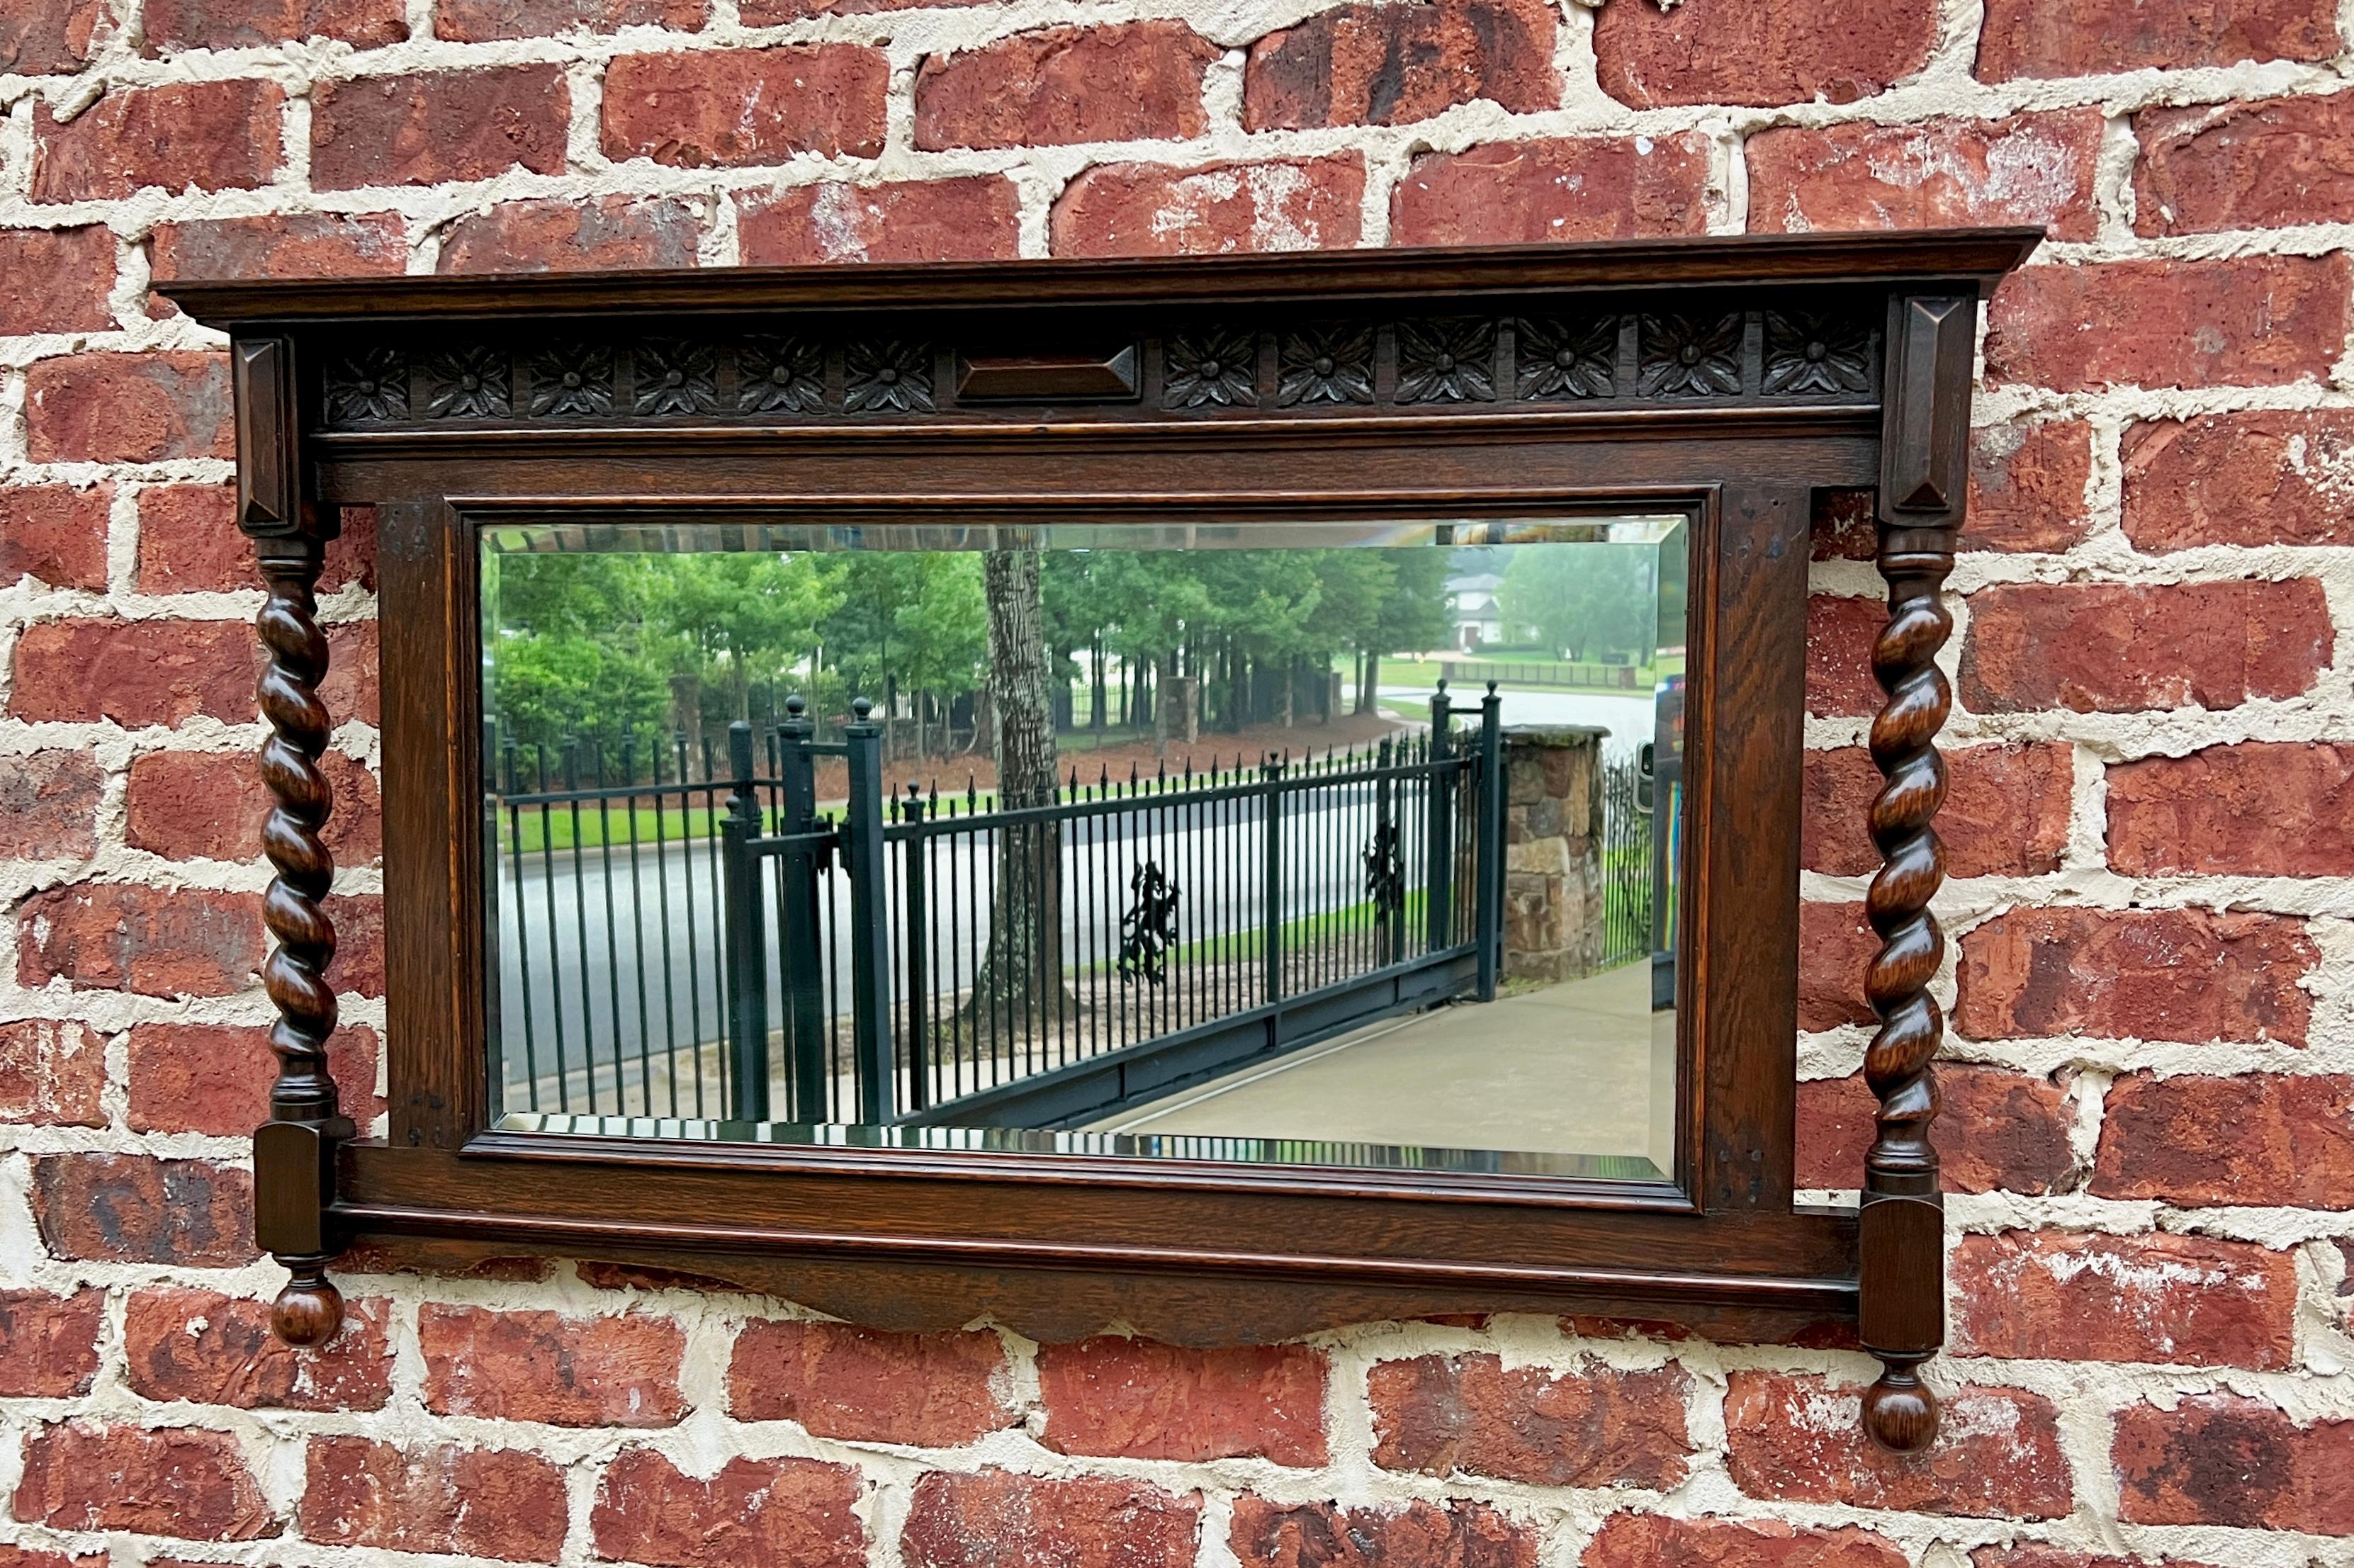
[(1323, 844)]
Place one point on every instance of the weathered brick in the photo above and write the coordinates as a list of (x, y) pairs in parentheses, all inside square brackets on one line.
[(209, 1349), (40, 40), (974, 219), (2267, 476), (1999, 1131), (215, 1078), (2181, 1300), (2258, 1138), (542, 1366), (200, 135), (2086, 37), (128, 1208), (1940, 174), (170, 26), (997, 1517), (211, 805), (358, 963), (428, 129), (474, 1502), (1569, 187), (28, 1557), (1654, 1541), (2256, 809), (2042, 1554), (1839, 635), (2006, 811), (54, 534), (189, 543), (2027, 486), (1841, 525), (349, 688), (150, 940), (862, 1385), (1389, 65), (1418, 1535), (52, 1071), (2244, 166), (730, 108), (2118, 648), (1730, 51), (1130, 81), (1800, 1438), (2255, 321), (2145, 974), (1137, 1399), (128, 408), (480, 21), (192, 1484), (608, 1275), (749, 1510), (1835, 943), (2223, 1459), (1151, 209), (281, 245), (48, 1344), (1598, 1426), (570, 234), (49, 805), (54, 279)]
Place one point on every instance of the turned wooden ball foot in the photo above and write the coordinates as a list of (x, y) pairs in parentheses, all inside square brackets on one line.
[(308, 1311), (1900, 1410)]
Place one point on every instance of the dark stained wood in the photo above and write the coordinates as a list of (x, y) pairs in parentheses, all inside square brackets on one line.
[(1925, 459), (1043, 378), (269, 488)]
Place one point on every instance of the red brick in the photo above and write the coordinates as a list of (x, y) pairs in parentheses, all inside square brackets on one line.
[(995, 1518), (1839, 635), (2255, 321), (1840, 526), (2088, 37), (1731, 51), (1139, 1400), (1835, 943), (480, 21), (2223, 1459), (570, 234), (606, 1276), (282, 245), (215, 1078), (1151, 209), (474, 1502), (51, 1073), (128, 1208), (49, 805), (188, 542), (42, 41), (2181, 1300), (1654, 1541), (211, 805), (2145, 974), (1800, 1439), (427, 130), (2255, 1139), (731, 108), (2268, 476), (149, 940), (191, 1485), (1388, 65), (54, 280), (48, 1344), (975, 220), (128, 407), (210, 1349), (2257, 809), (1942, 173), (1571, 188), (863, 1385), (1999, 1131), (1129, 82), (25, 1557), (2244, 166), (2038, 1554), (55, 535), (201, 135), (751, 1510), (171, 25), (359, 964), (1419, 1535), (349, 687), (541, 1366), (2112, 648), (2027, 486), (1597, 1427), (443, 1258), (2006, 811)]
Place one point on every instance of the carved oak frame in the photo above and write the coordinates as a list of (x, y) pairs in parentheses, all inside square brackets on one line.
[(1727, 376)]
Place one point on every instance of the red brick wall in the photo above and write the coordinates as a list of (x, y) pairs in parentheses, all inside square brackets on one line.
[(2150, 1090)]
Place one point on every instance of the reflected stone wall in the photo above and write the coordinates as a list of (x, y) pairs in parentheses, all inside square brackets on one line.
[(1553, 852)]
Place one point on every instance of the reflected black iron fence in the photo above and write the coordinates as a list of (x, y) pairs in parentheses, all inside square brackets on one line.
[(1626, 892)]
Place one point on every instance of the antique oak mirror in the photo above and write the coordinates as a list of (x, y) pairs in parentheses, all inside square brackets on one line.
[(1230, 795)]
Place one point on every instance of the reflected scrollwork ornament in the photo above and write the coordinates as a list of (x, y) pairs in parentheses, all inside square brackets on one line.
[(1690, 356), (1211, 369), (781, 376), (1447, 361), (676, 376), (1568, 357), (369, 387), (572, 379), (1148, 929), (1325, 364), (1815, 350), (468, 383), (889, 375)]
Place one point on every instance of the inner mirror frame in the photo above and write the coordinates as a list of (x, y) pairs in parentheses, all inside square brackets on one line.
[(1728, 378)]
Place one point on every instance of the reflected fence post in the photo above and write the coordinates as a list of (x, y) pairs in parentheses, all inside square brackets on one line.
[(870, 1033), (1490, 853), (808, 1031), (1438, 853), (748, 965)]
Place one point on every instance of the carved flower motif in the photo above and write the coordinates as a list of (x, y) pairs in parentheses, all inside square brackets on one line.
[(676, 376), (467, 384), (368, 387), (1810, 351), (890, 375), (1572, 358), (572, 378), (1326, 365), (1451, 360), (781, 376), (1210, 367), (1686, 357)]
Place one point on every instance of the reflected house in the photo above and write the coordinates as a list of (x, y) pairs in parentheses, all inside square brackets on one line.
[(1479, 619)]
